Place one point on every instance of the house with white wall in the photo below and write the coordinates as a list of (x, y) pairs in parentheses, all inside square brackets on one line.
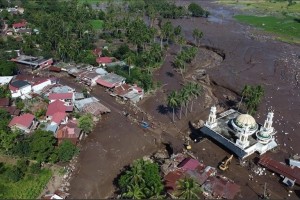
[(19, 88)]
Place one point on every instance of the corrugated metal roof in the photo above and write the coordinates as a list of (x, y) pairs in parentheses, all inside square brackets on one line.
[(224, 142)]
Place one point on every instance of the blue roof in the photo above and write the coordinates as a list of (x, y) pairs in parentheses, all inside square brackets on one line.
[(223, 141), (52, 127)]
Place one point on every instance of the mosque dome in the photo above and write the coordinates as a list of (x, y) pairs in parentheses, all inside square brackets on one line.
[(244, 120)]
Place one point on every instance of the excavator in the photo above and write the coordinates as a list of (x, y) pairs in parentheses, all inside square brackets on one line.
[(225, 164)]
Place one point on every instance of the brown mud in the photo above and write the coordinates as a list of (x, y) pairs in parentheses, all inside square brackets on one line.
[(250, 57)]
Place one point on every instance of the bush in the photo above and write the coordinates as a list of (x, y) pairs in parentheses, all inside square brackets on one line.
[(66, 150), (35, 168), (14, 174), (197, 11)]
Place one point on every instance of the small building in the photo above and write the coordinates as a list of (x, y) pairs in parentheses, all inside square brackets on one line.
[(59, 118), (91, 105), (97, 52), (89, 78), (218, 187), (25, 122), (69, 131), (101, 71), (19, 88), (4, 102), (103, 60), (292, 174), (65, 97), (41, 84), (130, 92), (4, 80), (19, 26), (12, 110), (34, 62), (52, 128), (62, 89), (54, 69), (111, 80), (57, 106)]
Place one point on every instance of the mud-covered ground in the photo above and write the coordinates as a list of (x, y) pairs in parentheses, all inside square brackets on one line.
[(251, 57)]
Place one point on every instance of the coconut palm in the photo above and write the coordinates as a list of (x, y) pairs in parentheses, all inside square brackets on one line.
[(135, 175), (187, 188), (181, 41), (182, 100), (172, 101), (245, 93), (197, 35), (195, 91), (134, 192)]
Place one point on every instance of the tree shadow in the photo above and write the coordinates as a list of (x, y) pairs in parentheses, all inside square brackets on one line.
[(162, 109), (169, 148), (116, 179), (196, 135), (170, 74)]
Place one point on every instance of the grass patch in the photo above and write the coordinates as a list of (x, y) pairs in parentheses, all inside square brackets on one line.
[(287, 28), (266, 6), (29, 187), (97, 24)]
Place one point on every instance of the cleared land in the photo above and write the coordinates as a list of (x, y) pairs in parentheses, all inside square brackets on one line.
[(287, 28)]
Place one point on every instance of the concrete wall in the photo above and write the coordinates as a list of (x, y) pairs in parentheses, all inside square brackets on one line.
[(40, 86)]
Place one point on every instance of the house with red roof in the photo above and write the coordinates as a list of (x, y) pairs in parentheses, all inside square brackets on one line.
[(97, 52), (19, 25), (69, 131), (59, 118), (25, 122), (57, 106), (65, 97), (103, 60), (130, 92)]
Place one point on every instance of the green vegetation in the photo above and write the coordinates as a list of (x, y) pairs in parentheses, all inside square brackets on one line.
[(86, 123), (20, 181), (141, 181), (187, 188), (185, 57), (4, 92), (97, 24), (197, 11), (187, 94), (287, 28), (267, 6), (252, 96), (7, 68)]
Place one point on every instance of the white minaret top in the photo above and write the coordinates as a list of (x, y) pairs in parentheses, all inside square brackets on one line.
[(269, 121), (211, 122)]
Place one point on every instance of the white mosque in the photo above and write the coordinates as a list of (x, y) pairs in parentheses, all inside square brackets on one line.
[(240, 133)]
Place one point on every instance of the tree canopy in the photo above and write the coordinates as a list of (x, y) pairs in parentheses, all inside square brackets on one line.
[(86, 123), (142, 180), (197, 11)]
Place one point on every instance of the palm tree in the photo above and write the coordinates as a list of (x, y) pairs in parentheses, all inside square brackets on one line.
[(197, 35), (195, 91), (134, 192), (184, 98), (135, 175), (155, 192), (181, 41), (245, 93), (187, 188), (172, 101)]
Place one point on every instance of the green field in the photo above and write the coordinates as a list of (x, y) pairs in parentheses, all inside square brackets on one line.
[(29, 187), (264, 6), (286, 28), (97, 24)]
